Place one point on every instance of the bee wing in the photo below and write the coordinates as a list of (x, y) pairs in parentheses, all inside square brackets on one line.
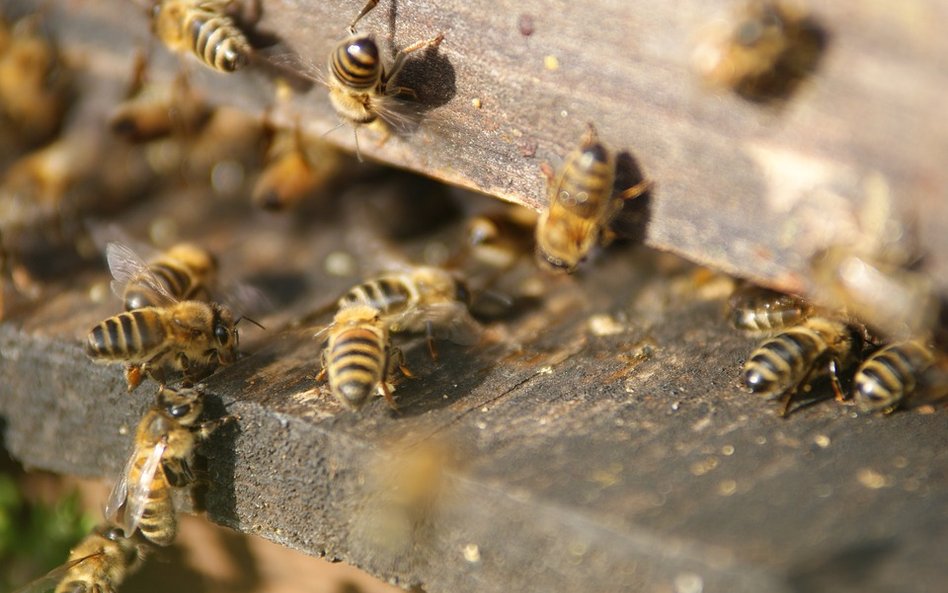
[(120, 490), (48, 582), (126, 265), (244, 297), (452, 321), (138, 492)]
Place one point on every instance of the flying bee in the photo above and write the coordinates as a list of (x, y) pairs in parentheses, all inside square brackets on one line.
[(360, 87), (185, 271), (581, 205), (893, 374), (359, 357), (205, 28), (771, 47), (783, 364), (98, 564), (296, 168), (419, 298), (756, 309), (191, 337), (165, 441)]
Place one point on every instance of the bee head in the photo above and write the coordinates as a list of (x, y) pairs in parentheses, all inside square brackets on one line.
[(554, 264), (225, 334), (184, 405)]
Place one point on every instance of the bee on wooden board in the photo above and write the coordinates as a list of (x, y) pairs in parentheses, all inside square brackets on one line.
[(207, 29), (185, 271), (296, 168), (755, 309), (360, 88), (895, 373), (165, 441), (764, 55), (359, 357), (36, 86), (98, 564), (172, 335), (785, 363), (499, 239), (581, 204), (419, 298)]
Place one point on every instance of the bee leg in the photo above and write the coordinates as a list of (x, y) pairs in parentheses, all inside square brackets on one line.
[(804, 381), (133, 376), (403, 53), (322, 372), (547, 170), (833, 368), (387, 393), (204, 429), (636, 190), (177, 472), (365, 10), (397, 360), (429, 331)]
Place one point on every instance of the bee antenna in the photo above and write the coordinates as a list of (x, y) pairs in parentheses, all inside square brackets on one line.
[(250, 320)]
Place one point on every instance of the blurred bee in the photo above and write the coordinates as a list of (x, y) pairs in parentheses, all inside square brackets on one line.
[(756, 309), (204, 28), (165, 441), (295, 169), (893, 374), (98, 564), (190, 337), (158, 110), (36, 86), (767, 52), (419, 298), (359, 357), (185, 272), (581, 206), (785, 363), (360, 86), (498, 240), (872, 277)]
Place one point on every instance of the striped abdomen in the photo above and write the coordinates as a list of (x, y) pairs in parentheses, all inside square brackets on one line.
[(389, 295), (890, 375), (356, 361), (760, 310), (780, 363), (585, 184), (216, 39), (128, 336), (158, 522), (355, 64)]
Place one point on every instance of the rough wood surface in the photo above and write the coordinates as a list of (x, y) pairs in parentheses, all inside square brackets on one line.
[(751, 190), (571, 461)]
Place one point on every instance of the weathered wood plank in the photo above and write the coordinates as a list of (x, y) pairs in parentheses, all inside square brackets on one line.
[(755, 191)]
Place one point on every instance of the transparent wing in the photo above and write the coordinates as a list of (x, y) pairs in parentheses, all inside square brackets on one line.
[(127, 266), (244, 298), (120, 490), (138, 491), (452, 321), (48, 582)]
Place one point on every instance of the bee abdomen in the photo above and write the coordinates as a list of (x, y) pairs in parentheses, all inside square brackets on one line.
[(355, 365), (778, 363), (387, 295), (218, 42), (158, 522), (888, 376), (355, 63), (586, 181), (129, 333)]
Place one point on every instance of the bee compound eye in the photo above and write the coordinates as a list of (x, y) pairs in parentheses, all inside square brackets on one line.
[(221, 333)]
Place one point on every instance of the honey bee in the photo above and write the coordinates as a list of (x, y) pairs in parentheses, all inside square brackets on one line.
[(185, 272), (36, 85), (190, 337), (295, 169), (581, 206), (359, 357), (360, 87), (769, 50), (205, 28), (756, 309), (98, 564), (158, 110), (894, 373), (419, 298), (165, 441), (498, 240), (785, 363)]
